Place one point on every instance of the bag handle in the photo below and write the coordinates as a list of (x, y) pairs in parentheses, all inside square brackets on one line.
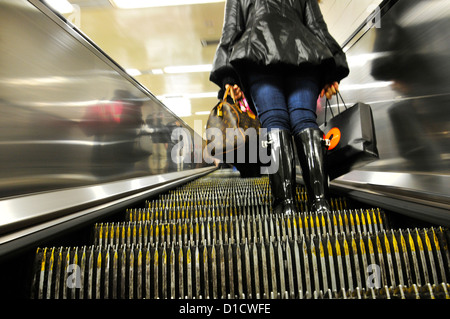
[(227, 92), (328, 105), (224, 99), (338, 95), (243, 104)]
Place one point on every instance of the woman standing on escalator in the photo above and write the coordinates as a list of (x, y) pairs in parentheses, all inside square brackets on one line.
[(282, 55)]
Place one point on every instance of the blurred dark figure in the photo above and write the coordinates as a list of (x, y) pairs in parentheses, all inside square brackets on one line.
[(419, 75)]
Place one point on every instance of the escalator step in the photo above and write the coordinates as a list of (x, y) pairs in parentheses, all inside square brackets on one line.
[(358, 265), (258, 227), (218, 238)]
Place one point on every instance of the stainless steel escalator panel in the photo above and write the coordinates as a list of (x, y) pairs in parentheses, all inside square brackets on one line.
[(26, 219), (59, 93), (420, 196)]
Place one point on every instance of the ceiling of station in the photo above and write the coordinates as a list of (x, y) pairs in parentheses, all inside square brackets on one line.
[(150, 40)]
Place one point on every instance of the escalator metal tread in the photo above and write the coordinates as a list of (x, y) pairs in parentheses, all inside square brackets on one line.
[(217, 238)]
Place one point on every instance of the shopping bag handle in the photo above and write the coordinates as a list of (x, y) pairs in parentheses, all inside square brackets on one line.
[(328, 105), (338, 95)]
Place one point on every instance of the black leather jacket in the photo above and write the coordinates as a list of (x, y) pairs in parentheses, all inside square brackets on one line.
[(275, 33)]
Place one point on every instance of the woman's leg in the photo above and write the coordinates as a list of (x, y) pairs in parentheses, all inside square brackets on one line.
[(267, 93), (303, 92)]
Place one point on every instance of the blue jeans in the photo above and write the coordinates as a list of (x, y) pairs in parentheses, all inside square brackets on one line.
[(285, 101)]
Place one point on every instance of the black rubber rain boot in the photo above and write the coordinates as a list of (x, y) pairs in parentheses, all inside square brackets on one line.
[(282, 178), (310, 150)]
